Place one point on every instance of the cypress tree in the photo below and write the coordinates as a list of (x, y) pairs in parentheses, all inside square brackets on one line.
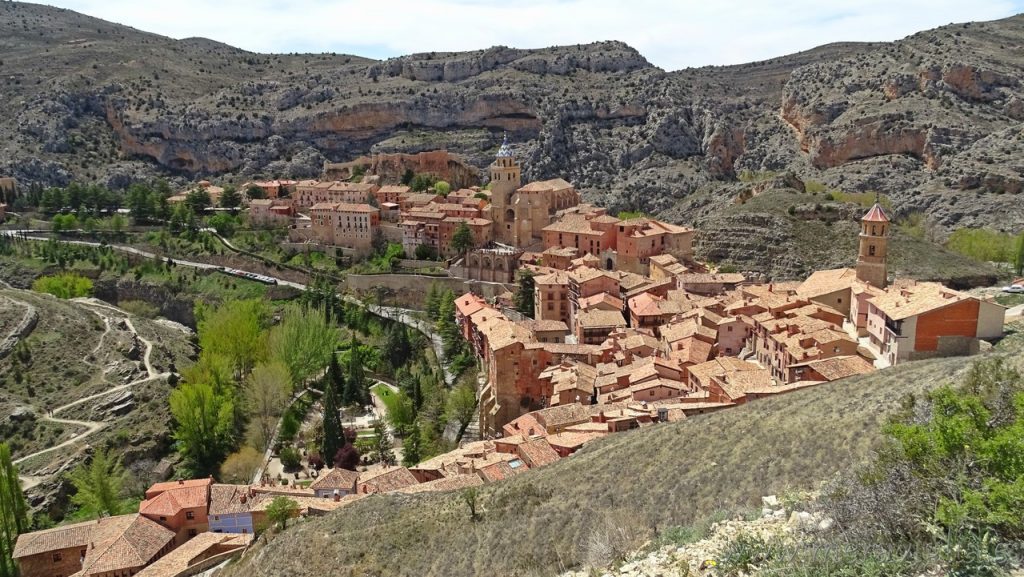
[(13, 512), (334, 435)]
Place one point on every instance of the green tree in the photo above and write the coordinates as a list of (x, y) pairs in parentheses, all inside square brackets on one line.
[(412, 450), (333, 434), (355, 389), (140, 201), (462, 239), (65, 285), (204, 421), (426, 252), (433, 302), (443, 188), (280, 510), (230, 198), (235, 331), (266, 395), (407, 176), (224, 224), (421, 182), (63, 222), (198, 200), (382, 446), (461, 407), (397, 346), (524, 293), (13, 512), (255, 193), (304, 342), (99, 485)]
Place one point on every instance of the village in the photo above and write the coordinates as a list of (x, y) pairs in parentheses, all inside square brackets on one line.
[(628, 330)]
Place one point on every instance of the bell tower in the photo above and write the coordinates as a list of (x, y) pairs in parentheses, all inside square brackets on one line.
[(874, 241), (505, 179)]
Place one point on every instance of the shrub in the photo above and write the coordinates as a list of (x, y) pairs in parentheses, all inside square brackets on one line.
[(140, 308), (65, 285), (745, 552), (290, 458)]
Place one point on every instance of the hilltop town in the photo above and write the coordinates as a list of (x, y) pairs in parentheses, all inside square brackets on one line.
[(583, 324)]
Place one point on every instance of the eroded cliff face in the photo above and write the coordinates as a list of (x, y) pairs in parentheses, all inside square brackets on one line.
[(934, 117)]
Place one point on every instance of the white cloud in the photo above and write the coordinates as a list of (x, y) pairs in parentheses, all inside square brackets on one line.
[(670, 33)]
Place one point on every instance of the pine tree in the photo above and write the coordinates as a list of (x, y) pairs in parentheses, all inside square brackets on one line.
[(397, 346), (411, 449), (1018, 260), (433, 301), (334, 435), (13, 512), (382, 447), (355, 391), (524, 296)]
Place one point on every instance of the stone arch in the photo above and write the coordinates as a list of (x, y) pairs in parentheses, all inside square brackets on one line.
[(487, 262), (510, 215), (499, 264)]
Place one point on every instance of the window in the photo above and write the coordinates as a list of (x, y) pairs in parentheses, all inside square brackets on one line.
[(163, 518), (728, 329), (57, 557), (192, 532), (871, 250), (190, 515)]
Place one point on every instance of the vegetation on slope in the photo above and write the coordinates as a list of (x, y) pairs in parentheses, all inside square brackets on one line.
[(638, 483)]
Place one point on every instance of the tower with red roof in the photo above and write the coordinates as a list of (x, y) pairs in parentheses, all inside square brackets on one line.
[(874, 241)]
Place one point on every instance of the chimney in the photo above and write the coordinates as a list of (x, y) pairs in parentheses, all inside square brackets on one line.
[(181, 481), (337, 495), (243, 498)]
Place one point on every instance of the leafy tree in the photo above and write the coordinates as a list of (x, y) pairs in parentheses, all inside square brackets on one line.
[(401, 414), (255, 193), (235, 331), (62, 222), (280, 510), (198, 200), (443, 188), (290, 459), (266, 395), (382, 446), (224, 224), (98, 485), (240, 467), (426, 252), (13, 512), (230, 198), (333, 434), (204, 420), (470, 497), (347, 457), (304, 342), (461, 407), (524, 294), (212, 369), (64, 285), (421, 182), (462, 239)]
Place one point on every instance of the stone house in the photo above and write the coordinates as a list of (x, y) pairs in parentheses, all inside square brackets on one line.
[(181, 506), (335, 482)]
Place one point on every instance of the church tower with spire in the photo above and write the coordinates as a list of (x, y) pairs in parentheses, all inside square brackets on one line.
[(874, 241), (505, 179)]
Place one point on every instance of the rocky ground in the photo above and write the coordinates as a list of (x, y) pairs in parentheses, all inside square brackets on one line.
[(934, 120)]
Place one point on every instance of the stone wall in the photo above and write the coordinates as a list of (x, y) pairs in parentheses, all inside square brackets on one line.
[(391, 167)]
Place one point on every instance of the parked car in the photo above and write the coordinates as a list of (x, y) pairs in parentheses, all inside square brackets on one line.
[(1014, 289)]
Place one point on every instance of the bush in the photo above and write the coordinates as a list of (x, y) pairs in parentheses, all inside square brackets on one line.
[(65, 285), (746, 552), (290, 459), (139, 308), (983, 244)]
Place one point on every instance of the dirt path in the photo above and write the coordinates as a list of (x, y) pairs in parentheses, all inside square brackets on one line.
[(91, 426)]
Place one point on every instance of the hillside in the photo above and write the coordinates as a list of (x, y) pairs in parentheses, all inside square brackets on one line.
[(85, 375), (627, 485), (933, 120)]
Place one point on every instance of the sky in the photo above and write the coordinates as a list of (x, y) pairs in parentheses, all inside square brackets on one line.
[(672, 34)]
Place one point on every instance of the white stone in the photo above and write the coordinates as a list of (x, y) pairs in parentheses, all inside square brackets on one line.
[(825, 524), (801, 520), (770, 501), (779, 514)]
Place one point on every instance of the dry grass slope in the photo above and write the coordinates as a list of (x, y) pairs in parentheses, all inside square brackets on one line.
[(538, 523)]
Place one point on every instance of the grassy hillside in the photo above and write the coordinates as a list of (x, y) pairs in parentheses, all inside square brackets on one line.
[(628, 485)]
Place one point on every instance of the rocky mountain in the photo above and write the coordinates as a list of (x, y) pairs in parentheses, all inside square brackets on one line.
[(934, 121)]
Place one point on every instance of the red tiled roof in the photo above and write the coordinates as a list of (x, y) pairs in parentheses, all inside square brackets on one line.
[(336, 479), (168, 485), (169, 503), (123, 543), (876, 214)]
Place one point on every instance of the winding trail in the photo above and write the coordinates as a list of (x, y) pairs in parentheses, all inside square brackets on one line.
[(91, 427)]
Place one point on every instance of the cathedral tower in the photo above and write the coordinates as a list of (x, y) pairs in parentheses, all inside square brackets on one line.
[(874, 240), (506, 178)]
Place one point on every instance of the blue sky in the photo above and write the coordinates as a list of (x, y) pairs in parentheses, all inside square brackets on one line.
[(672, 34)]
